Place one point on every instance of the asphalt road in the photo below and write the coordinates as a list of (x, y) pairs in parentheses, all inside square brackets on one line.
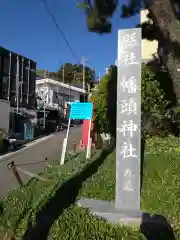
[(50, 147)]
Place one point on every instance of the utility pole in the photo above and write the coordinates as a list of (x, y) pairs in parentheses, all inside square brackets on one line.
[(44, 118), (84, 66), (99, 77), (45, 73), (63, 73)]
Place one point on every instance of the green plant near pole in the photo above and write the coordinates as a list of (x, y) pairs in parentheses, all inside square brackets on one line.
[(153, 104)]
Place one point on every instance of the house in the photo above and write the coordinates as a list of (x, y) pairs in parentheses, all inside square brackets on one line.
[(17, 87), (53, 92), (17, 79), (55, 98)]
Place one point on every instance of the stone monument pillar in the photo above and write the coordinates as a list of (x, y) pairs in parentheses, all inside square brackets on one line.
[(126, 208)]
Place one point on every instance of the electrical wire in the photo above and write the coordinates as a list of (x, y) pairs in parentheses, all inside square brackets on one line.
[(60, 30)]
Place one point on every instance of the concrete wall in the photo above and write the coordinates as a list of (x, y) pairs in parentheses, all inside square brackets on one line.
[(4, 116)]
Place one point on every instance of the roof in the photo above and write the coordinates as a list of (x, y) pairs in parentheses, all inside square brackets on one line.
[(57, 83), (2, 49)]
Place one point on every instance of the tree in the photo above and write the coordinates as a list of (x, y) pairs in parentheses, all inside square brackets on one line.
[(43, 72), (90, 74), (154, 104), (164, 80), (40, 73), (69, 73), (100, 96), (73, 73), (104, 99), (165, 17)]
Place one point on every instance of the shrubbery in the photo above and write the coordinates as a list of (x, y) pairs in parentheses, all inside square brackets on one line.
[(153, 104), (100, 100), (156, 110)]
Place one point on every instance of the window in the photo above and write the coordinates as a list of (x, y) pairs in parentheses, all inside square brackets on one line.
[(66, 97), (72, 98), (5, 81), (49, 100), (6, 66), (55, 97)]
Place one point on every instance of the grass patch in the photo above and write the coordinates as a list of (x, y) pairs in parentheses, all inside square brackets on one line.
[(78, 224), (34, 194), (102, 184), (161, 183), (161, 186), (160, 194), (49, 209)]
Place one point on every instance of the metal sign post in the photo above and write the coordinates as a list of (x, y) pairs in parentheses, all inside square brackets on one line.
[(88, 151), (64, 147), (78, 111)]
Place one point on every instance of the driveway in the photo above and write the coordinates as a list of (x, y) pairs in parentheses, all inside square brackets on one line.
[(37, 151)]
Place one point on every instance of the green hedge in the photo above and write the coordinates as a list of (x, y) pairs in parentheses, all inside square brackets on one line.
[(74, 223)]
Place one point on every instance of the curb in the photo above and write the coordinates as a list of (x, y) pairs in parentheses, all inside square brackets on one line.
[(7, 156)]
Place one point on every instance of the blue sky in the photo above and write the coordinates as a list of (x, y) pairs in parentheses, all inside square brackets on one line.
[(26, 28)]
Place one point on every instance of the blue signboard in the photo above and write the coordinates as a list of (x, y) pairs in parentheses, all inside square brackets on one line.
[(81, 111)]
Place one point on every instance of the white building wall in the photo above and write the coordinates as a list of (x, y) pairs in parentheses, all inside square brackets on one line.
[(49, 92)]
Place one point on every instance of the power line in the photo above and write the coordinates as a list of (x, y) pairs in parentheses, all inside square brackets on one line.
[(60, 30)]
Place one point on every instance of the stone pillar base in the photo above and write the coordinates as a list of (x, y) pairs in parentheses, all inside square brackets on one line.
[(108, 211)]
